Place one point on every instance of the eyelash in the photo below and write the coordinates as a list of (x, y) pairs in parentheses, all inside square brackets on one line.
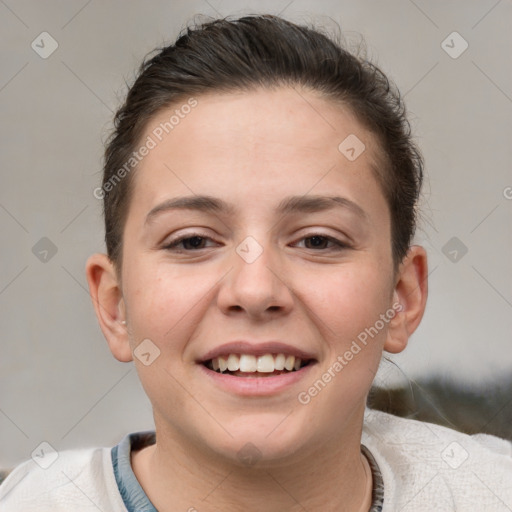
[(172, 245)]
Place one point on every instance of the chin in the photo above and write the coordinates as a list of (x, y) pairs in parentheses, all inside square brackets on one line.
[(262, 440)]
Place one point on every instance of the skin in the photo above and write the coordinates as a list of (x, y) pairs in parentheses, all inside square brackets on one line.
[(252, 150)]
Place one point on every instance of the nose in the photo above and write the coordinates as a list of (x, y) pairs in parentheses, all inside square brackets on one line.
[(257, 283)]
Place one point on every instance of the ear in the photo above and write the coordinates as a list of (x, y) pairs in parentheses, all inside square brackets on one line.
[(108, 303), (411, 290)]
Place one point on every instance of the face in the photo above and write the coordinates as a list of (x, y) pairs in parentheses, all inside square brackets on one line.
[(267, 264)]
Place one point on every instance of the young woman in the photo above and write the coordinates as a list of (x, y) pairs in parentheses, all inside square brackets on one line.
[(260, 194)]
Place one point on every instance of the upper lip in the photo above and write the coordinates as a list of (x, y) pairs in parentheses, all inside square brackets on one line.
[(256, 349)]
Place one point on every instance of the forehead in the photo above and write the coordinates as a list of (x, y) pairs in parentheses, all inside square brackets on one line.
[(284, 118), (254, 142)]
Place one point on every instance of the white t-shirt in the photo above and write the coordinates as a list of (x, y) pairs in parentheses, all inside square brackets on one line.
[(424, 467)]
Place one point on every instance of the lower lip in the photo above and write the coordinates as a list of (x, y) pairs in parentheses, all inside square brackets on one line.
[(256, 386)]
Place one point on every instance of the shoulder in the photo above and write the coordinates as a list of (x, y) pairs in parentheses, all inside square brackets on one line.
[(62, 481), (430, 467)]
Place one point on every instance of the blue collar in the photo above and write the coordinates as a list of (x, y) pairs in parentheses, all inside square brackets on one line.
[(134, 497)]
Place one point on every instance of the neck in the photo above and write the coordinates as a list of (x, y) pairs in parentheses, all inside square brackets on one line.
[(179, 475)]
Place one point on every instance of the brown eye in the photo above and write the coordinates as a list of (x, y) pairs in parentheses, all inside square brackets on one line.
[(188, 243), (318, 241)]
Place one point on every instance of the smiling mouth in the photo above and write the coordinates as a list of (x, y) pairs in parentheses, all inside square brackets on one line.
[(247, 365)]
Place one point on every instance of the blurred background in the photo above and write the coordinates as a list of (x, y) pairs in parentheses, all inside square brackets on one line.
[(64, 66)]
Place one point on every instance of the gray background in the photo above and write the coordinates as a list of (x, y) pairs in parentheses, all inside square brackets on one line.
[(58, 380)]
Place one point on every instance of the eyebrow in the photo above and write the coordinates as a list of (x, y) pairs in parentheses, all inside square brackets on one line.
[(292, 204)]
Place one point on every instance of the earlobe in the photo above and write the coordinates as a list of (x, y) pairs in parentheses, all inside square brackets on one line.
[(411, 290), (108, 304)]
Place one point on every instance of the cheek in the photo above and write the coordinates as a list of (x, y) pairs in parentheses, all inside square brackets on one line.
[(348, 303), (347, 306), (162, 302), (165, 306)]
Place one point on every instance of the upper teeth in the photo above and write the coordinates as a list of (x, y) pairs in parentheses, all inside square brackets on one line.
[(249, 363)]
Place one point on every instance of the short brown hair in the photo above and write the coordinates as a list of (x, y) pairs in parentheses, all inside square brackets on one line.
[(265, 51)]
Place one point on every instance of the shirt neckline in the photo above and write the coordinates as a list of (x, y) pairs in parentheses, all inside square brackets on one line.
[(136, 500), (134, 497)]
